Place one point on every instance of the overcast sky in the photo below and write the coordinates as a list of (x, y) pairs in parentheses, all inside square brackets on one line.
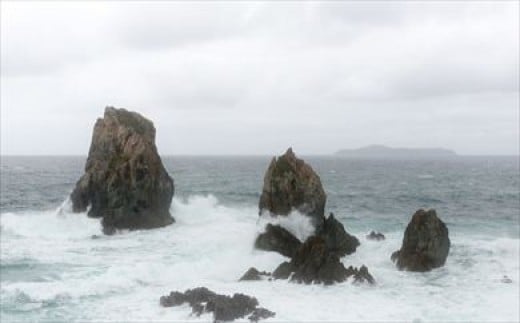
[(255, 78)]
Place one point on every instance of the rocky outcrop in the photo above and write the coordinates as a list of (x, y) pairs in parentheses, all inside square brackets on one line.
[(338, 241), (378, 236), (125, 182), (314, 263), (223, 307), (253, 274), (276, 238), (425, 244), (291, 184)]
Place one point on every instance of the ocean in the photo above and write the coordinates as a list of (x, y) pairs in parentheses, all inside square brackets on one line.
[(57, 266)]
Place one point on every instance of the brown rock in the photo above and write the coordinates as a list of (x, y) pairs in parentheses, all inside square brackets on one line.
[(125, 182), (425, 244), (290, 183)]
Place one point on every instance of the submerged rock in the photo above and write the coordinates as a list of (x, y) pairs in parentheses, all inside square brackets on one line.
[(223, 307), (425, 244), (253, 274), (337, 239), (291, 184), (125, 182), (375, 236), (276, 238)]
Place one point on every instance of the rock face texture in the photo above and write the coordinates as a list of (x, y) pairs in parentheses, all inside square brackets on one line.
[(224, 308), (314, 263), (337, 239), (276, 238), (125, 182), (425, 244), (290, 183)]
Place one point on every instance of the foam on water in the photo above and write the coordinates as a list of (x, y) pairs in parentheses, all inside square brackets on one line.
[(53, 269)]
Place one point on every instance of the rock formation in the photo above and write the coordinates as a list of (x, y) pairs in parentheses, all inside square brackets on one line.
[(378, 236), (253, 274), (224, 308), (314, 263), (425, 244), (125, 182), (337, 239), (291, 184), (276, 238)]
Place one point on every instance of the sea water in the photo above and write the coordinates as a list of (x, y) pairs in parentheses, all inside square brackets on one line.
[(57, 266)]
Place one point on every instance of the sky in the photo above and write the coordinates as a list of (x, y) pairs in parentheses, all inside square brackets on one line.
[(253, 78)]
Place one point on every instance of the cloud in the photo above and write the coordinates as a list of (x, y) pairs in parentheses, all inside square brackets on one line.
[(318, 75)]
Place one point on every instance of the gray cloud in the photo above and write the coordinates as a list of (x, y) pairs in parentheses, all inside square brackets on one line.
[(241, 77)]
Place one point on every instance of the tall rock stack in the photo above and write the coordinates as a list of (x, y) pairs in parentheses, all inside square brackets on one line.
[(425, 243), (125, 182), (291, 184)]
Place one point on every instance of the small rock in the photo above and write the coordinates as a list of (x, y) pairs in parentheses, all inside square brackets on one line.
[(506, 280), (378, 236), (260, 313), (253, 274)]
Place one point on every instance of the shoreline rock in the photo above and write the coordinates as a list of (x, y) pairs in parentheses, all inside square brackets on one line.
[(125, 182), (426, 243)]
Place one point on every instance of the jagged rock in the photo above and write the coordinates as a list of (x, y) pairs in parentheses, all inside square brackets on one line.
[(253, 274), (261, 313), (361, 275), (315, 263), (375, 236), (224, 308), (125, 182), (276, 238), (426, 243), (337, 239), (290, 183), (283, 271)]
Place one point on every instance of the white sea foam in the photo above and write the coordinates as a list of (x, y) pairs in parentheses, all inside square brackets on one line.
[(296, 223), (121, 277)]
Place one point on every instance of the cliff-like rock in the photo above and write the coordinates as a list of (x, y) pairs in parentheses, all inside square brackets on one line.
[(125, 182)]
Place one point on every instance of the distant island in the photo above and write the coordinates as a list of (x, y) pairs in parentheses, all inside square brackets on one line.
[(380, 151)]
